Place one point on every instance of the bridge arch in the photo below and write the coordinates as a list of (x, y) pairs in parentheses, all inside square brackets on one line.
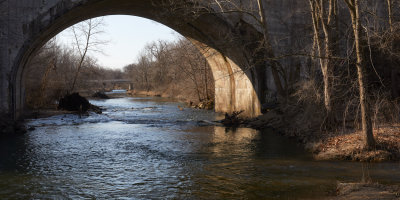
[(229, 45)]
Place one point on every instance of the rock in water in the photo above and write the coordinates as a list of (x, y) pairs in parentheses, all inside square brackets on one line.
[(74, 102)]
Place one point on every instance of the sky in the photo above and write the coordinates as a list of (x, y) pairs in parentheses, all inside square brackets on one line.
[(126, 36)]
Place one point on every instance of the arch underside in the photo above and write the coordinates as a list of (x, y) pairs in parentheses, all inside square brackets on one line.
[(224, 48)]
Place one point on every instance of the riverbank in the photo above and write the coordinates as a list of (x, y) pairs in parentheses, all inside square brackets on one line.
[(343, 144), (11, 127), (184, 98), (271, 157), (366, 191), (340, 144)]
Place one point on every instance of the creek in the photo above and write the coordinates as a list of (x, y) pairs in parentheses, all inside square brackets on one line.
[(147, 148)]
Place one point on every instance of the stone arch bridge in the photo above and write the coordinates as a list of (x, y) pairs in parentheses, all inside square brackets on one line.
[(228, 43)]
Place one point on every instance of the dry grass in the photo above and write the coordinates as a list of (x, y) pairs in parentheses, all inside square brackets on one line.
[(349, 145), (304, 124)]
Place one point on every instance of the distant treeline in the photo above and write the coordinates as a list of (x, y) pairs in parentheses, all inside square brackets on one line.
[(51, 73), (172, 69)]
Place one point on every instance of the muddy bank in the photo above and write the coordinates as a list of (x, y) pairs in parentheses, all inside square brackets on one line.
[(190, 101), (366, 191), (341, 144), (146, 93), (345, 144)]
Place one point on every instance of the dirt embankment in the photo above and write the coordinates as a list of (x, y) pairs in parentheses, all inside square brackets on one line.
[(366, 191), (147, 93), (345, 144), (341, 144), (186, 98)]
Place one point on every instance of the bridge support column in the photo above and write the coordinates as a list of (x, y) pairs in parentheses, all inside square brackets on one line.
[(233, 88)]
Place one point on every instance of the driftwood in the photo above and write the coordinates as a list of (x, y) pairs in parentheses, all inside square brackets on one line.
[(233, 119)]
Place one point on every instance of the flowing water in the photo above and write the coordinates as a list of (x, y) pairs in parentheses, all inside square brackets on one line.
[(147, 148)]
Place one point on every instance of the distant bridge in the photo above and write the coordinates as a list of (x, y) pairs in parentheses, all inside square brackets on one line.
[(111, 81), (114, 81)]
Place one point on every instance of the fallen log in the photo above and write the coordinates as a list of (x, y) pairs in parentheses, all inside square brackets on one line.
[(233, 119)]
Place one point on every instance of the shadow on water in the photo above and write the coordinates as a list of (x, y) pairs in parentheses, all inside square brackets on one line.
[(264, 165), (13, 153), (244, 163), (144, 148)]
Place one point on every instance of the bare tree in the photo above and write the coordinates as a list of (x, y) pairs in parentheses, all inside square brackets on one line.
[(257, 14), (159, 51), (173, 69), (144, 66), (355, 12), (85, 40), (390, 14), (189, 64), (49, 74), (324, 16)]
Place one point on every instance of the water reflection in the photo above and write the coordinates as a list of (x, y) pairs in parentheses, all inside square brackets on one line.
[(13, 154), (246, 163), (232, 141), (143, 148)]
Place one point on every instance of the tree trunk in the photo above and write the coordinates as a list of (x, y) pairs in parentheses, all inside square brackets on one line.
[(83, 55), (330, 39), (369, 141), (390, 14), (327, 90), (325, 56)]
